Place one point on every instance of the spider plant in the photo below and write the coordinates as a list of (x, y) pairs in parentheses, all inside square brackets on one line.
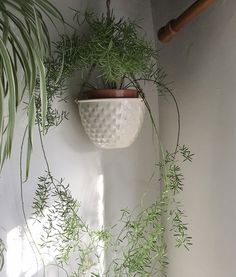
[(24, 42)]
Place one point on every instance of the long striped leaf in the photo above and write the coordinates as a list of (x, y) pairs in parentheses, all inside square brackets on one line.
[(8, 70), (1, 109), (49, 9), (31, 122), (39, 34)]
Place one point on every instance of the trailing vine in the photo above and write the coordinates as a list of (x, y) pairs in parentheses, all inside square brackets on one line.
[(2, 252), (140, 248), (56, 91), (140, 242)]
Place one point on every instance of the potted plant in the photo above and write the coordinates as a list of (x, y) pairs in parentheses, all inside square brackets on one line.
[(140, 247), (113, 48), (111, 56)]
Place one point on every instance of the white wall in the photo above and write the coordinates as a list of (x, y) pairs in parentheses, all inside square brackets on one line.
[(72, 156), (201, 61)]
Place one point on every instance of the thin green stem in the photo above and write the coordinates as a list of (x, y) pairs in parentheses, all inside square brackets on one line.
[(87, 77), (108, 5), (59, 267), (174, 99)]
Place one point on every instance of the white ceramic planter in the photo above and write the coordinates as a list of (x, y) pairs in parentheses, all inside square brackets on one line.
[(112, 123)]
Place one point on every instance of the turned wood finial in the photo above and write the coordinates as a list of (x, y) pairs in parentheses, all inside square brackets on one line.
[(167, 32)]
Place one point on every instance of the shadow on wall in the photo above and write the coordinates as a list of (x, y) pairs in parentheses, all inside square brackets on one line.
[(72, 131), (126, 175)]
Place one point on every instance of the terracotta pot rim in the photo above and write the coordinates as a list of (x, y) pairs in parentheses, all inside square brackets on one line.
[(99, 100), (122, 89), (112, 93)]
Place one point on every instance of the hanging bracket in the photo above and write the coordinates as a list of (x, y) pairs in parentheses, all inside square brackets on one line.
[(167, 32)]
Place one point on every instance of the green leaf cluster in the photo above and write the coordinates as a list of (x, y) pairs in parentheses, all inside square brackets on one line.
[(172, 178), (139, 249), (142, 238), (64, 230), (53, 201), (114, 48)]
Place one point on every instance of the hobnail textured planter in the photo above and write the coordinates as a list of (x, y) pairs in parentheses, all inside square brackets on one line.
[(112, 123)]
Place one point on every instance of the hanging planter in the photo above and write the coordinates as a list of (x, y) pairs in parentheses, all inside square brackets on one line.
[(112, 122), (111, 57)]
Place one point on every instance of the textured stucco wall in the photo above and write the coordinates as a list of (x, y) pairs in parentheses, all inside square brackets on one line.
[(73, 157), (201, 62)]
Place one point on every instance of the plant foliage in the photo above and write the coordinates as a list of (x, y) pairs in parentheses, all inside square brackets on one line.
[(120, 58), (24, 42), (138, 250), (112, 47), (56, 86)]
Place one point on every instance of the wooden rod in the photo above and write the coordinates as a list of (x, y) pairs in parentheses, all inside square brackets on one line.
[(167, 32)]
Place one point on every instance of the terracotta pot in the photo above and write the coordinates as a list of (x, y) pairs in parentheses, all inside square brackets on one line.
[(112, 93)]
